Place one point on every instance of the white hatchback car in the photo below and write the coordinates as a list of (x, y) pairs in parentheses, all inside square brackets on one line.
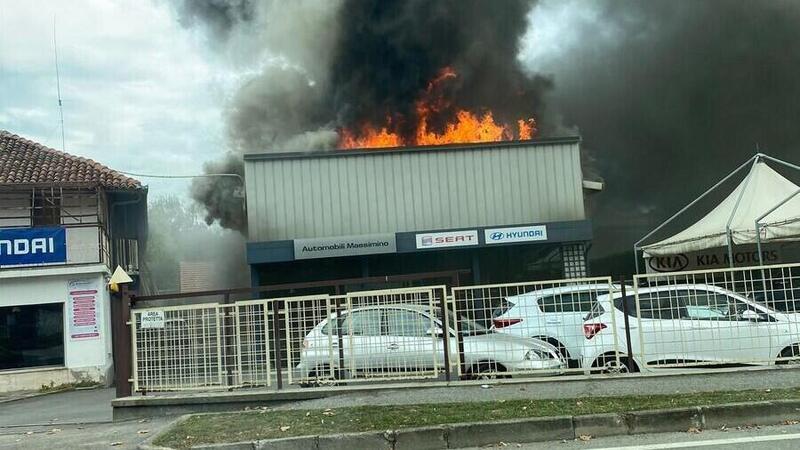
[(687, 325), (554, 315), (398, 339)]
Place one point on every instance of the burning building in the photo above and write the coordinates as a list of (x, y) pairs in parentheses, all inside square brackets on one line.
[(502, 211)]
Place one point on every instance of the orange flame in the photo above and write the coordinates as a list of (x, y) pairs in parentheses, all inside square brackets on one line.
[(468, 127)]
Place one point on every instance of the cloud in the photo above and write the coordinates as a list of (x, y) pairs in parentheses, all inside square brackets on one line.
[(140, 93)]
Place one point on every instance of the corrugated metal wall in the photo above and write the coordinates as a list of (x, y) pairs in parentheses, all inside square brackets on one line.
[(362, 193)]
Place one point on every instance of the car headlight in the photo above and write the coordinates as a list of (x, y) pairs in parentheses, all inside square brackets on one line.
[(534, 354)]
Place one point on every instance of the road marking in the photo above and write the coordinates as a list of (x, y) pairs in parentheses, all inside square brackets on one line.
[(709, 443)]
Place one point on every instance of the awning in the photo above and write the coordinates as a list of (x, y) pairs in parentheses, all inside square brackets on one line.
[(762, 190)]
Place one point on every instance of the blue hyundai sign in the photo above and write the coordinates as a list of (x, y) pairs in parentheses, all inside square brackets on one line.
[(29, 246)]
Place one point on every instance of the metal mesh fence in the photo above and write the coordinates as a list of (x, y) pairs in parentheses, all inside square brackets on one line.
[(178, 348), (393, 334), (689, 319), (253, 319), (548, 316)]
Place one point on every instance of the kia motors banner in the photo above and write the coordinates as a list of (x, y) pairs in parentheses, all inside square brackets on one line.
[(713, 258), (32, 246)]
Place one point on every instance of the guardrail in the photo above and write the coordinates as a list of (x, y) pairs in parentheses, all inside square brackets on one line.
[(542, 328)]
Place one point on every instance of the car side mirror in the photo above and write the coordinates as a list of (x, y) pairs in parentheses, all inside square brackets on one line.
[(750, 315)]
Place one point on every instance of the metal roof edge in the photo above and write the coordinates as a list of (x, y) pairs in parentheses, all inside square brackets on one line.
[(398, 150)]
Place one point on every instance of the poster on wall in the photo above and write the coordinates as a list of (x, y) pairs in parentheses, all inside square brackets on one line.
[(83, 309)]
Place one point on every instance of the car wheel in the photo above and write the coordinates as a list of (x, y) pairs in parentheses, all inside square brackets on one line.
[(792, 352), (315, 381), (610, 364), (486, 372)]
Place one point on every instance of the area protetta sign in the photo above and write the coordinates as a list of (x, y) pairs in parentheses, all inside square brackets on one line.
[(32, 246)]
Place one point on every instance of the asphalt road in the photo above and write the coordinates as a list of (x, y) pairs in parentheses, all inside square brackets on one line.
[(67, 420), (84, 406), (782, 437)]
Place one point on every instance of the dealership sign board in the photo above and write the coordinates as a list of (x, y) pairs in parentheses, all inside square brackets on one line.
[(715, 258), (447, 239), (344, 246), (30, 246), (515, 234)]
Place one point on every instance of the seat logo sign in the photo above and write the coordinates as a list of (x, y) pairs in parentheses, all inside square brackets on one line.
[(447, 239), (32, 246), (515, 234)]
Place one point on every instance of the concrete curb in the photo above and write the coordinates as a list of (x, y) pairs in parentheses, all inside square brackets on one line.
[(538, 429)]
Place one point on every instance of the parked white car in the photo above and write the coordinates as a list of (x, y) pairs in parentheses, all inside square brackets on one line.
[(687, 325), (554, 315), (407, 338)]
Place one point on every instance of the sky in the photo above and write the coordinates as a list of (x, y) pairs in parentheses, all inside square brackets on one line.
[(141, 93)]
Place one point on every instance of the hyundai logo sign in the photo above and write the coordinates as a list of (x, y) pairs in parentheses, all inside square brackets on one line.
[(516, 234)]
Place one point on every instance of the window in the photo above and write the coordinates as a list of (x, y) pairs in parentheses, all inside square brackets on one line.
[(502, 308), (401, 322), (704, 305), (664, 305), (31, 336), (568, 302), (46, 208), (366, 322), (597, 311)]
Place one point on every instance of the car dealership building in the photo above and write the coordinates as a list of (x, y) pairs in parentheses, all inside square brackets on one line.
[(503, 212)]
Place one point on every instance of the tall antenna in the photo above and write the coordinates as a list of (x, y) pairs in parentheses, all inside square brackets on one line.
[(58, 86)]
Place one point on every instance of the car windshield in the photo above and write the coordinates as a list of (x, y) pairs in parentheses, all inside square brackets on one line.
[(466, 326)]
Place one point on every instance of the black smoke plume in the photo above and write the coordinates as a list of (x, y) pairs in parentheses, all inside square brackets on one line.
[(672, 96), (393, 49)]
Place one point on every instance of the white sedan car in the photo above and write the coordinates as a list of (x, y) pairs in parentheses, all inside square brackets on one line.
[(397, 340), (687, 325)]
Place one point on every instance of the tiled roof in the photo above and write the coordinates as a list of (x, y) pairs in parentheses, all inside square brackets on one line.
[(27, 162)]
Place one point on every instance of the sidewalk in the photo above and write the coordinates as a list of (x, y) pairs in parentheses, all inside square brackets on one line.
[(67, 420), (79, 406)]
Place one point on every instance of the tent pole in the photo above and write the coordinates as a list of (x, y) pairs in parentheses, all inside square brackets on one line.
[(779, 161), (736, 209), (758, 244), (637, 245), (758, 223)]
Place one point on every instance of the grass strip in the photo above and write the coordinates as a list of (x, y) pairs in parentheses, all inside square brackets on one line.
[(266, 424)]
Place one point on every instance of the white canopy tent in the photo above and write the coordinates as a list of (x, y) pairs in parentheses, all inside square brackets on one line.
[(764, 207)]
